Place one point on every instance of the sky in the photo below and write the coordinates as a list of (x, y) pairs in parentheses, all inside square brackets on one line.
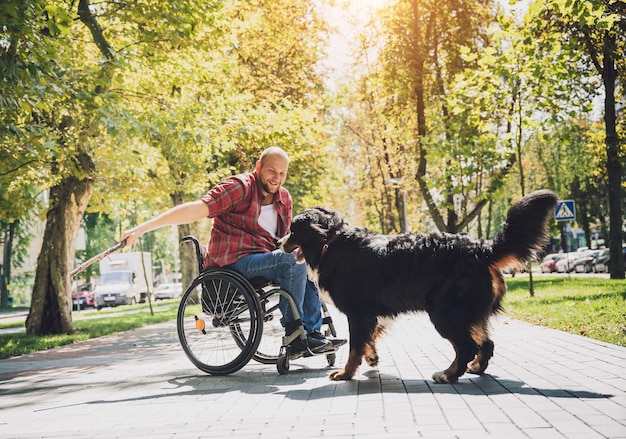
[(346, 17)]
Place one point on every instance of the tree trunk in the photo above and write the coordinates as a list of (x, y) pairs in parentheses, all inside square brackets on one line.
[(186, 252), (5, 273), (613, 165), (50, 308)]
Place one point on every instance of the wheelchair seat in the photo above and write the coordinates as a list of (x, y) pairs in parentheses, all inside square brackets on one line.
[(201, 251)]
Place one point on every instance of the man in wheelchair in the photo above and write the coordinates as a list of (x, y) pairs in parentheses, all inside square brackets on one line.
[(250, 212)]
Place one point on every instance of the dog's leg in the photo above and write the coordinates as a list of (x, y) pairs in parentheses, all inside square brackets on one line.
[(465, 351), (371, 353), (361, 332), (481, 361), (480, 334), (465, 333)]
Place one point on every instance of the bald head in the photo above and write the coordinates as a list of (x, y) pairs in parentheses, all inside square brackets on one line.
[(273, 152)]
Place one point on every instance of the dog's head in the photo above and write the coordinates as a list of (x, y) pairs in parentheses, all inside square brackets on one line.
[(310, 232)]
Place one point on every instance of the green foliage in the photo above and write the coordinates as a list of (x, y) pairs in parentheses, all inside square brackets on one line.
[(421, 117), (191, 92), (201, 108), (591, 39)]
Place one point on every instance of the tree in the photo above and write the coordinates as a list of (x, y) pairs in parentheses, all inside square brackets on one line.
[(595, 31), (210, 115), (33, 116), (79, 123), (152, 97), (29, 82), (50, 311), (420, 126)]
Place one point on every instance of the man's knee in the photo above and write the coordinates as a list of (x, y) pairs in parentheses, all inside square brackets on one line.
[(287, 261)]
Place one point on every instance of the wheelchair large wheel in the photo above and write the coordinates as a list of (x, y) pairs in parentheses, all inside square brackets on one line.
[(218, 305)]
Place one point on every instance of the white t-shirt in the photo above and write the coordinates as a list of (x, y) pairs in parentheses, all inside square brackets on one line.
[(269, 219)]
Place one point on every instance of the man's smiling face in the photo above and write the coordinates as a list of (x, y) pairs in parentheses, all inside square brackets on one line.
[(272, 173)]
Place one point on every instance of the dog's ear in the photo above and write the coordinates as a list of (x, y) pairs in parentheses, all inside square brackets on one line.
[(321, 230), (333, 221)]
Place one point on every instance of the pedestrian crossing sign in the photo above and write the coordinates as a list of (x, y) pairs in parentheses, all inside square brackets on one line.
[(565, 210)]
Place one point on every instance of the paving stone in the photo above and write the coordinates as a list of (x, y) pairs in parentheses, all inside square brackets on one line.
[(541, 383)]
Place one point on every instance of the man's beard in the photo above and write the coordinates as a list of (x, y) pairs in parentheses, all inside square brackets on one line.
[(267, 189)]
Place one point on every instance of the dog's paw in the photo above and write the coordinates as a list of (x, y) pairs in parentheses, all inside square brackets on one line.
[(372, 361), (475, 367), (340, 375), (371, 354), (442, 378)]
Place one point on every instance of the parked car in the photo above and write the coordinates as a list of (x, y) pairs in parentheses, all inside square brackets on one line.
[(600, 265), (168, 291), (584, 264), (602, 262), (83, 297), (548, 264), (566, 264)]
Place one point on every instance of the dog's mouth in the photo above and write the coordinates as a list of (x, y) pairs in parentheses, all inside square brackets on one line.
[(297, 253), (292, 248)]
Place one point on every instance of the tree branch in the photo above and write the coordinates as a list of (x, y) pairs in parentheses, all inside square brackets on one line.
[(88, 19)]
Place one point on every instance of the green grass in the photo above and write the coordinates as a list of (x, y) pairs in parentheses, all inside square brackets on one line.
[(12, 345), (589, 306)]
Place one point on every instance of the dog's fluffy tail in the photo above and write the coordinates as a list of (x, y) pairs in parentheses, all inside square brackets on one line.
[(525, 230)]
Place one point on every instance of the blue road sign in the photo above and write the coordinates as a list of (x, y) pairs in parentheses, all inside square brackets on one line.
[(565, 210)]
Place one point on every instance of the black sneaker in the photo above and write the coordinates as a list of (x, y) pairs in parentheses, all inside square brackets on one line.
[(335, 342), (314, 345)]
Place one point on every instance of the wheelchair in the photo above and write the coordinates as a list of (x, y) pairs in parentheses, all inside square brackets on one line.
[(224, 320)]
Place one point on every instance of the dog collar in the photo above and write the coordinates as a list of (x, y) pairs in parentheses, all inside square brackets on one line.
[(329, 242)]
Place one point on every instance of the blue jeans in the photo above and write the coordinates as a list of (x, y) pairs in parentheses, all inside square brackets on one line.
[(281, 267)]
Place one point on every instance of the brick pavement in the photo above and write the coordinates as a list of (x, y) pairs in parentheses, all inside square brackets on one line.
[(541, 383)]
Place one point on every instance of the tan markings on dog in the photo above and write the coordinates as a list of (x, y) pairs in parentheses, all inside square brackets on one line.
[(325, 296), (383, 324), (497, 282), (474, 366), (371, 353), (479, 333), (348, 371), (481, 360)]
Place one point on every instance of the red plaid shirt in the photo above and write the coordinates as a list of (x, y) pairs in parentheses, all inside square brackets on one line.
[(235, 206)]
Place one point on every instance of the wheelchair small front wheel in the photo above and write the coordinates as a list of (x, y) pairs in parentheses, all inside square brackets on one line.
[(331, 358), (282, 364)]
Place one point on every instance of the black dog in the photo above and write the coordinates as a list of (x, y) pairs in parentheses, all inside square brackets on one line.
[(454, 278)]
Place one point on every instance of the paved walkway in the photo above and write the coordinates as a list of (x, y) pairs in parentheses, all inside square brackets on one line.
[(541, 384)]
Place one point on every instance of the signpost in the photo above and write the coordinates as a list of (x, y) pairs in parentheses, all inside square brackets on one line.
[(565, 210)]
